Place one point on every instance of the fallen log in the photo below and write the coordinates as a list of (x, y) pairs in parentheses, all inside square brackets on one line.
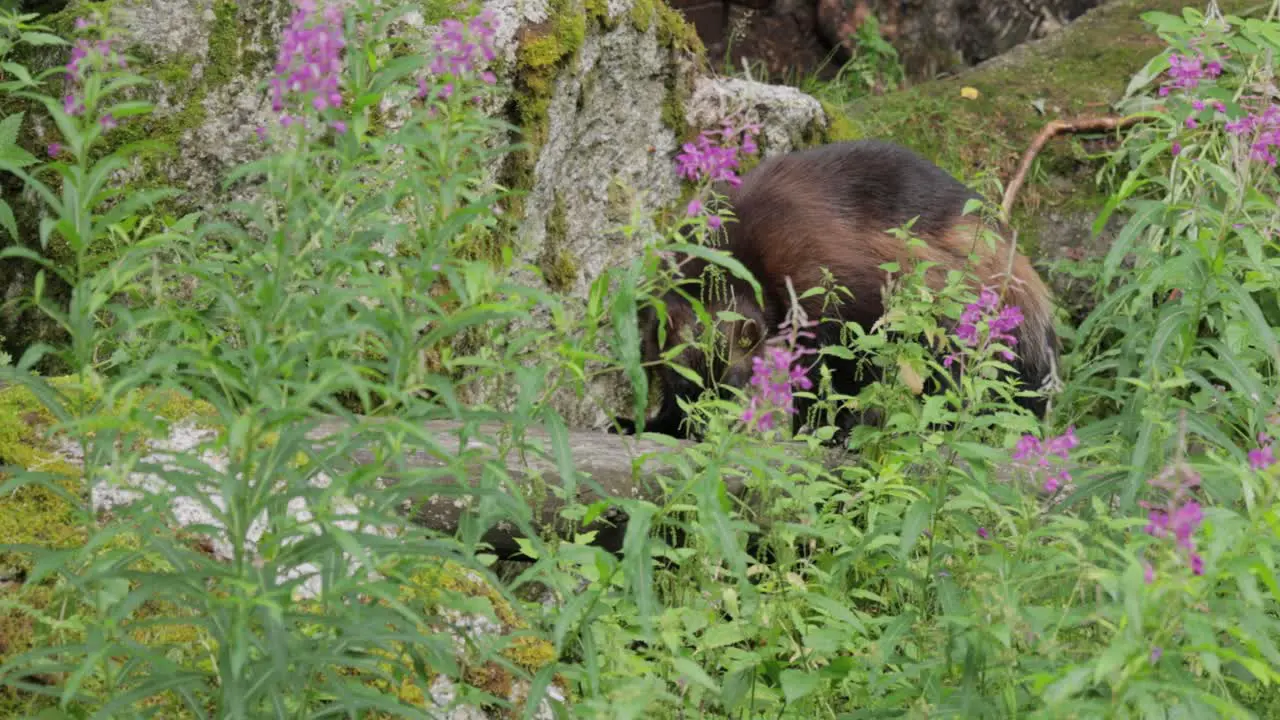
[(609, 466)]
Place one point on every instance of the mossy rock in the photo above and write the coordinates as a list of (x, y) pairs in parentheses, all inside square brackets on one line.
[(23, 625), (35, 514), (238, 43), (38, 516)]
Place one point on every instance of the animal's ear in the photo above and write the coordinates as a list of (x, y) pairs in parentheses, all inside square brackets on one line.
[(752, 333)]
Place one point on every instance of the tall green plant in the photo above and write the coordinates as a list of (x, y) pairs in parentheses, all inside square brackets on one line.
[(1191, 326)]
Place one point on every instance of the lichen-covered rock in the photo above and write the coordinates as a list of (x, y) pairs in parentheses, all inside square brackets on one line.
[(38, 516), (615, 116), (789, 119)]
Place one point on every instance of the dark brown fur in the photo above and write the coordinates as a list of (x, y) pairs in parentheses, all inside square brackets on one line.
[(833, 207)]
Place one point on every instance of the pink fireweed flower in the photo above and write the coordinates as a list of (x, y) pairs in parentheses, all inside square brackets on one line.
[(712, 161), (89, 56), (999, 323), (1044, 461), (775, 377), (704, 160), (1262, 131), (309, 65), (1263, 456), (462, 51), (72, 105), (1180, 516), (1186, 72), (708, 160)]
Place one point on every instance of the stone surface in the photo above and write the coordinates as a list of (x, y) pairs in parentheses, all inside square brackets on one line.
[(799, 37), (187, 438), (610, 151), (789, 119)]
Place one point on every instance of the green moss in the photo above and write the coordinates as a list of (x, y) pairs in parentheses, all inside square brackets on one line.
[(224, 44), (619, 203), (558, 267), (839, 127), (598, 14), (588, 87), (675, 33), (424, 587), (542, 52), (641, 15), (153, 139), (436, 11), (674, 116)]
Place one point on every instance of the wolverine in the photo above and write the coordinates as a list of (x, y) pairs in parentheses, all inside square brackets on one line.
[(833, 208)]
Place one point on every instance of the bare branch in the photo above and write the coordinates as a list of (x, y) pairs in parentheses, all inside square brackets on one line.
[(1048, 132)]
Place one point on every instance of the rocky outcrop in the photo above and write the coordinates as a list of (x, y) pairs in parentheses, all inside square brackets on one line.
[(596, 165), (799, 37)]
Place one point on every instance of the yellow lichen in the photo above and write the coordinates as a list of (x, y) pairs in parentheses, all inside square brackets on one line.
[(40, 515)]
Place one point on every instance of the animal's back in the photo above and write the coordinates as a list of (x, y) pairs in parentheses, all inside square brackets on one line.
[(831, 207)]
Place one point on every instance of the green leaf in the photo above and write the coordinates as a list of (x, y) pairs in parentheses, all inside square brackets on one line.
[(559, 433), (18, 71), (637, 565), (723, 259), (737, 686), (626, 339), (39, 39), (7, 220), (1147, 214), (694, 673), (722, 635), (9, 129), (17, 156), (837, 610), (913, 524), (798, 684)]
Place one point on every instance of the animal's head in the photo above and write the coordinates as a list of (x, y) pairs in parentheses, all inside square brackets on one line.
[(721, 358)]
